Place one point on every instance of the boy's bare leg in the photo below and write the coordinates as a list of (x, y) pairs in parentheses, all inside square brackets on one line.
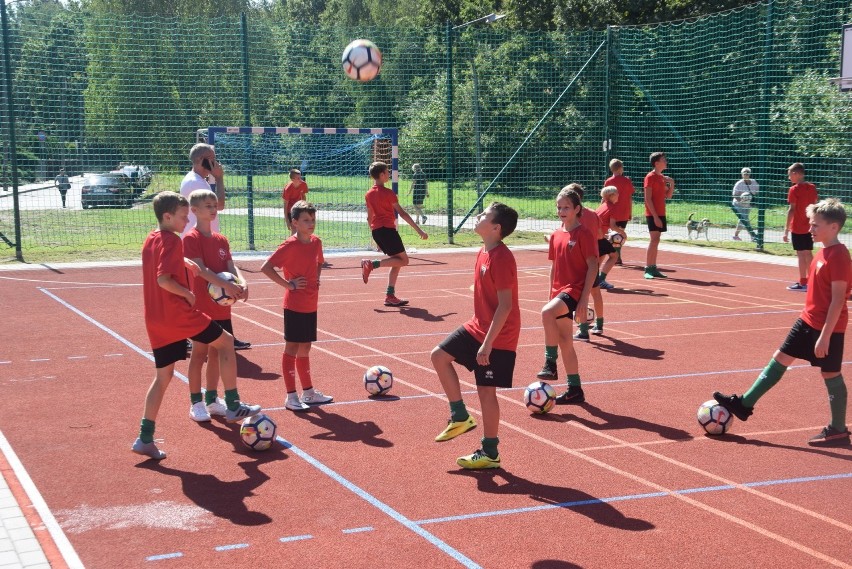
[(609, 263), (805, 258), (597, 302), (566, 346), (196, 364), (443, 364), (154, 398), (653, 244), (224, 346), (549, 314), (212, 371), (490, 410)]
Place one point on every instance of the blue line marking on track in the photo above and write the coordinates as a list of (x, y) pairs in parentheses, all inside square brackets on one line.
[(358, 530), (230, 547), (295, 538), (164, 556)]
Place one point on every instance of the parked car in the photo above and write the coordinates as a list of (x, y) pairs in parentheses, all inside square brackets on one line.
[(107, 190), (139, 176)]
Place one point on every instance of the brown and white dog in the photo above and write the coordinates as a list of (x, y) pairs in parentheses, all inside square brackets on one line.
[(698, 227)]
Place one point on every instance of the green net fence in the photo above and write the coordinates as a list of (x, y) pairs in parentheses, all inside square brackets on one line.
[(524, 113)]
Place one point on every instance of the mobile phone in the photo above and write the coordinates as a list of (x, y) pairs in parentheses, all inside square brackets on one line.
[(206, 163)]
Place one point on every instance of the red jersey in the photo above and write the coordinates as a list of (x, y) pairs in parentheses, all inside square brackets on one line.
[(569, 252), (605, 214), (623, 208), (656, 183), (830, 264), (592, 222), (297, 259), (801, 195), (168, 317), (293, 192), (215, 252), (495, 270), (381, 201)]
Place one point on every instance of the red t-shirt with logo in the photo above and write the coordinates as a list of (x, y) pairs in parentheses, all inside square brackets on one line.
[(297, 259), (657, 184), (293, 192), (830, 264), (605, 214), (495, 270), (801, 195), (591, 221), (215, 252), (623, 208), (168, 317), (569, 252), (381, 201)]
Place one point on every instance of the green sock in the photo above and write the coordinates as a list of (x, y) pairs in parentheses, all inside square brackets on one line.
[(837, 401), (391, 290), (376, 264), (489, 446), (599, 322), (146, 431), (584, 328), (195, 398), (551, 353), (232, 399), (458, 412), (603, 276), (210, 396), (574, 379), (767, 379), (650, 268)]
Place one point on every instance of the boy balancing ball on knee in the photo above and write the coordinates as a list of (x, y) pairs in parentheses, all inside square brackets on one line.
[(487, 343), (818, 334)]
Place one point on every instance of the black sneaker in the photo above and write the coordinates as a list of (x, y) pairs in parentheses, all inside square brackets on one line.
[(572, 396), (238, 345), (189, 346), (734, 404), (830, 437), (548, 372)]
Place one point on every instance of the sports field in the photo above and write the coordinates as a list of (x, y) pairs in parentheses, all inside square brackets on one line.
[(627, 479)]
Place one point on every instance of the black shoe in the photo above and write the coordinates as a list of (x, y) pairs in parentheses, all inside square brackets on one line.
[(241, 345), (548, 372), (188, 346), (830, 437), (572, 396), (734, 404)]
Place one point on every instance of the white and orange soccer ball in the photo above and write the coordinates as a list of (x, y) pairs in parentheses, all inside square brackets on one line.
[(362, 60)]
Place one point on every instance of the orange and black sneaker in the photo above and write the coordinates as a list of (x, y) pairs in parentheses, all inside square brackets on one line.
[(366, 269), (391, 300), (830, 437)]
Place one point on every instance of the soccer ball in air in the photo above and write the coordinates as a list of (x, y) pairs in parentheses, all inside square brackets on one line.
[(378, 380), (258, 432), (539, 397), (616, 239), (715, 419), (362, 60), (218, 294)]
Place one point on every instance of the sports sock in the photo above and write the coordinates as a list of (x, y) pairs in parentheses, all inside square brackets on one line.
[(195, 398), (303, 366), (837, 401), (146, 431), (650, 268), (603, 276), (376, 263), (489, 446), (584, 328), (458, 412), (232, 399), (551, 353), (574, 379), (803, 281), (767, 379), (599, 322), (288, 367), (391, 290), (210, 396)]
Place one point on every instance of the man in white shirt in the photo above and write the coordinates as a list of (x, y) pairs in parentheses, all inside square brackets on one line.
[(744, 190)]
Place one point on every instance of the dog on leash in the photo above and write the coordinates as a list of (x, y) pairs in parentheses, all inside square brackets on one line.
[(698, 227)]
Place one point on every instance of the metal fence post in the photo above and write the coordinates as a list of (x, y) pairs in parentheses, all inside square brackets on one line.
[(450, 165), (247, 122), (10, 107)]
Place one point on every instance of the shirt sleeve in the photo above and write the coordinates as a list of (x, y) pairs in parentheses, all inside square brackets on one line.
[(507, 273), (191, 247), (790, 196), (590, 246), (320, 258), (171, 259), (839, 267)]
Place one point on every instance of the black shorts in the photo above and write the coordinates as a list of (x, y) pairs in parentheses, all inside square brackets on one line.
[(801, 341), (802, 241), (418, 197), (176, 351), (649, 219), (570, 303), (621, 224), (605, 247), (300, 326), (226, 325), (463, 347), (388, 240)]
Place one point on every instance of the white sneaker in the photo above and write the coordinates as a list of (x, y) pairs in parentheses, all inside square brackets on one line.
[(198, 412), (295, 404), (316, 397), (217, 408)]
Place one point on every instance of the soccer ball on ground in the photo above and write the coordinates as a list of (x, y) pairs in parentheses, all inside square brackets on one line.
[(258, 432), (378, 380), (362, 60), (715, 419), (218, 294), (539, 397)]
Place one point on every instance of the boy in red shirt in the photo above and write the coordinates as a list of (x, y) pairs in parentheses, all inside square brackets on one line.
[(382, 204), (170, 318), (624, 210), (295, 190), (487, 343), (800, 196), (818, 334), (592, 222), (211, 250), (608, 253), (300, 259), (658, 188), (573, 253)]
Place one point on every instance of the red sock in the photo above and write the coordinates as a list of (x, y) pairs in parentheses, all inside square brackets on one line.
[(803, 281), (303, 365), (288, 365)]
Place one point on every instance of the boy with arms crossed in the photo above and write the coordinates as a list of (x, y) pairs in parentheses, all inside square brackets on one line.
[(487, 343), (300, 259), (658, 189), (295, 190), (170, 318), (382, 203), (818, 334)]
